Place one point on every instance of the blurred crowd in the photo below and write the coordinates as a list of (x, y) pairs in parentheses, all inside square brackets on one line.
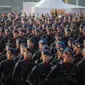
[(42, 50)]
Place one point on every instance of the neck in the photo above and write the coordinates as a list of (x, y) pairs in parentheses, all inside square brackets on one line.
[(25, 58), (46, 62), (67, 61), (10, 58)]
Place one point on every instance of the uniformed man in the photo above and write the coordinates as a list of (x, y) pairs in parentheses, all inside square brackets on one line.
[(67, 35), (37, 37), (44, 47), (78, 53), (59, 72), (18, 42), (31, 44), (84, 43), (70, 43), (2, 41), (58, 57), (6, 68), (53, 45), (21, 54), (82, 37), (49, 36), (37, 55), (80, 74), (15, 36), (59, 30), (7, 35), (3, 54), (22, 34), (23, 68), (40, 71)]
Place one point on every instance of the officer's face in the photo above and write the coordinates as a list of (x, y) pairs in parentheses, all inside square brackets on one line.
[(84, 43), (21, 34), (74, 48), (78, 49), (33, 31), (60, 53), (80, 29), (69, 43), (40, 46), (66, 33), (37, 33), (49, 32), (58, 30), (6, 33), (27, 55), (84, 32), (7, 48), (83, 53), (15, 35), (30, 44), (46, 59), (58, 45), (67, 57), (9, 55), (17, 44)]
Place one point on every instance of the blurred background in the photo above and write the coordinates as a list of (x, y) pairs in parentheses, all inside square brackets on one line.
[(16, 5)]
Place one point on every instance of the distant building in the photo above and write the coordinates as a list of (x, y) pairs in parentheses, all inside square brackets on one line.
[(81, 2), (17, 4)]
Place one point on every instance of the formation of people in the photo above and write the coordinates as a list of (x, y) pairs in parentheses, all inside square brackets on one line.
[(42, 50)]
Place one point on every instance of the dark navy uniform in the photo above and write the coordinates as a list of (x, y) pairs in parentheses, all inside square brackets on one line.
[(21, 71), (80, 73), (39, 72), (77, 58), (2, 44), (6, 68), (59, 73)]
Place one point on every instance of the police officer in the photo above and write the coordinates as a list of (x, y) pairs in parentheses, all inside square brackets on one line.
[(44, 47), (40, 71), (23, 67), (67, 35), (84, 43), (78, 53), (21, 54), (82, 37), (7, 35), (58, 57), (80, 74), (53, 45), (6, 68), (37, 54), (37, 37), (49, 36), (59, 30), (70, 40), (31, 44), (22, 34), (15, 36), (18, 42), (2, 41), (3, 54), (59, 72)]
